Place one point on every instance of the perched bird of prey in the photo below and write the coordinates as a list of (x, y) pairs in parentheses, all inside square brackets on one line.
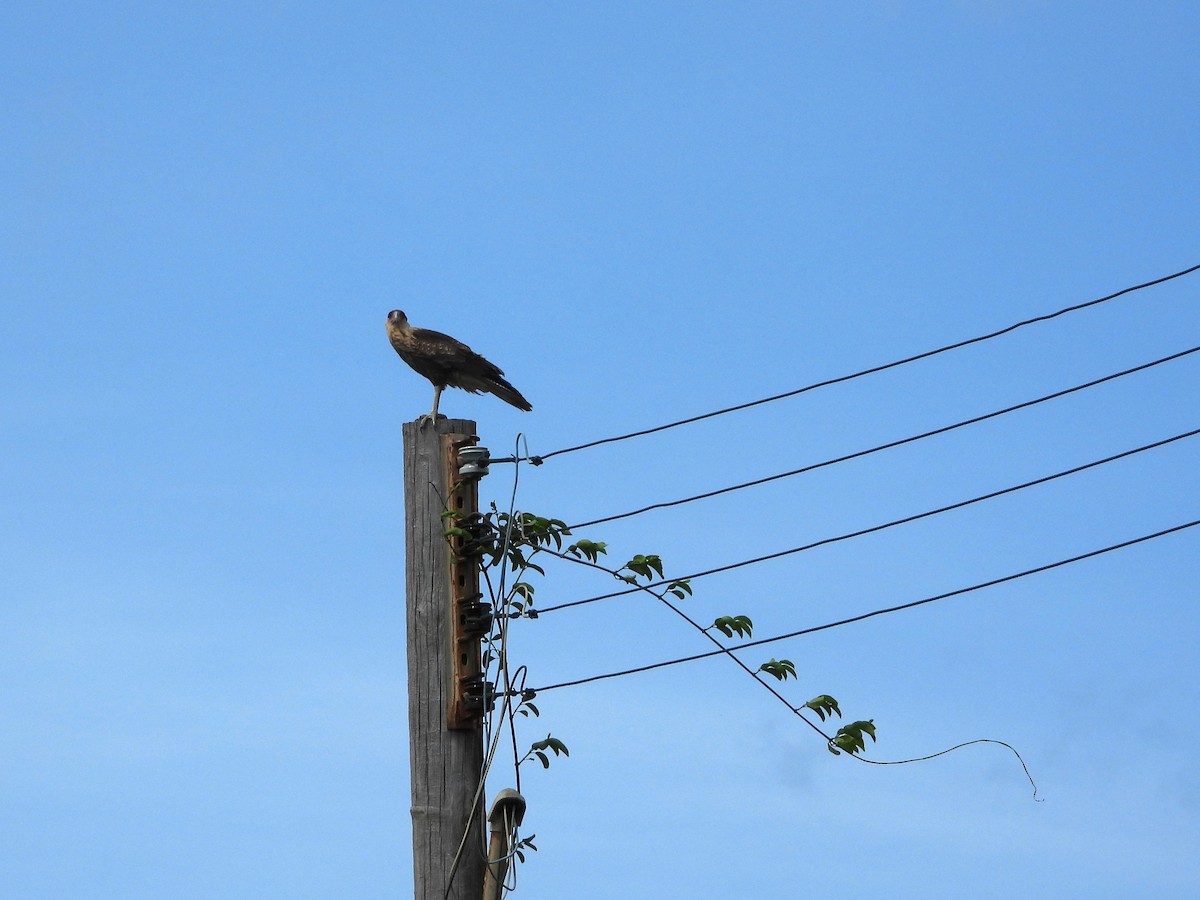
[(448, 363)]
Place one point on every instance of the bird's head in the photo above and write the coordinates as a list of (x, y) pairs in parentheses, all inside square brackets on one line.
[(397, 319)]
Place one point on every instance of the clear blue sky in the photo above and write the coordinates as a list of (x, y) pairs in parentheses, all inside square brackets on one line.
[(641, 212)]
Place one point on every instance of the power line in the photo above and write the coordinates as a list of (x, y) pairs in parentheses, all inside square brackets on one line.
[(797, 711), (538, 460), (902, 521), (887, 446), (661, 597), (877, 612)]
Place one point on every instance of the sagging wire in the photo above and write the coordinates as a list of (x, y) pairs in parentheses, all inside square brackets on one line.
[(538, 460), (904, 520), (877, 612), (795, 710), (512, 843), (974, 420), (497, 645), (722, 649), (492, 736), (504, 620), (492, 745)]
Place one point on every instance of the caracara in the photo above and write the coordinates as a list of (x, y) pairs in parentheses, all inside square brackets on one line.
[(447, 362)]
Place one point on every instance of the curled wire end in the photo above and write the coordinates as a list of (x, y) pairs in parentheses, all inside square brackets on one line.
[(902, 762)]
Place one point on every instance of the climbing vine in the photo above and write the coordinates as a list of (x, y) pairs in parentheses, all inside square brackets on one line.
[(510, 547)]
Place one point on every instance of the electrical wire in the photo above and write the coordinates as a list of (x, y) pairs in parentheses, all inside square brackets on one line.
[(888, 446), (874, 528), (538, 460), (721, 648), (492, 741), (797, 711), (878, 612)]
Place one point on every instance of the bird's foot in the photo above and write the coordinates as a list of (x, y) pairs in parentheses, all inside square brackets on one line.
[(428, 418)]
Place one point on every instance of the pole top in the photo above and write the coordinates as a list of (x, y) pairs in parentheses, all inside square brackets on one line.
[(442, 426)]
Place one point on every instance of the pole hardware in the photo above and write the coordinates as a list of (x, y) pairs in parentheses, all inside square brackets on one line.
[(508, 810), (478, 696), (470, 618), (474, 617), (473, 461)]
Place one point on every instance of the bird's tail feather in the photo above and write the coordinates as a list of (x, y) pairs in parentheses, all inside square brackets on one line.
[(508, 393)]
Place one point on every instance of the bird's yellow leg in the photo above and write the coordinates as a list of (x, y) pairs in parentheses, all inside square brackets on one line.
[(437, 395)]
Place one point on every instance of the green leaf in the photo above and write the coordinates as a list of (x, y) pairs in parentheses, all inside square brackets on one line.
[(589, 550), (550, 743), (850, 737), (680, 589), (824, 705), (780, 669), (727, 625), (645, 566)]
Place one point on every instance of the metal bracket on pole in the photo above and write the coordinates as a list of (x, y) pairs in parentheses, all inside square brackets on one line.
[(470, 618)]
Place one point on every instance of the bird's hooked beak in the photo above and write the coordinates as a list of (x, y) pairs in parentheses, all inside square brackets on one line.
[(396, 317)]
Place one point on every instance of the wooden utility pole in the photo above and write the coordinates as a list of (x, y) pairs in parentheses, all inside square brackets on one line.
[(445, 762)]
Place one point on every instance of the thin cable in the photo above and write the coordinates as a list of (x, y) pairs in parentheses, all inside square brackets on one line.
[(475, 802), (927, 757), (874, 528), (900, 362), (492, 741), (794, 710), (877, 612), (512, 509), (890, 445), (661, 596)]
